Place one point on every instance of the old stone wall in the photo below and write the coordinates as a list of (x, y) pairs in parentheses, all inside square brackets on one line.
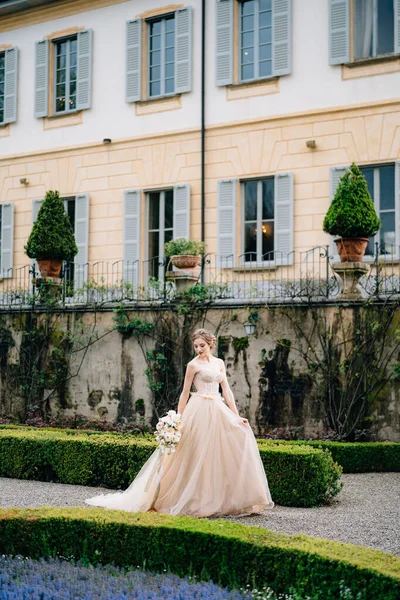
[(267, 371)]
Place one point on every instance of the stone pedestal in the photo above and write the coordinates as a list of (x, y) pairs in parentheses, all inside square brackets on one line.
[(183, 279), (348, 275), (49, 287)]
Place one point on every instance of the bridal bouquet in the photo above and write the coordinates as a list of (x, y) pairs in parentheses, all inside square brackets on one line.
[(167, 432)]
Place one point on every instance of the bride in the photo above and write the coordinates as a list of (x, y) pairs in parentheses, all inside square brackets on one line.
[(217, 468)]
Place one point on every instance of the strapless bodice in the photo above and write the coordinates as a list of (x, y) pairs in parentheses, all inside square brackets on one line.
[(207, 380)]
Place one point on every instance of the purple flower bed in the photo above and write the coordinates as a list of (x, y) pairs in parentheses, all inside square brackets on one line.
[(55, 579)]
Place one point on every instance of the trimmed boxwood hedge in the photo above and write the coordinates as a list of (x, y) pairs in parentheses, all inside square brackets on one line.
[(227, 553), (355, 457), (297, 475)]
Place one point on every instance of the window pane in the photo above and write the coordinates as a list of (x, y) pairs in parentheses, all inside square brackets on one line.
[(265, 5), (248, 7), (74, 45), (155, 89), (169, 70), (61, 62), (250, 201), (72, 74), (154, 210), (1, 115), (72, 60), (169, 86), (385, 27), (170, 40), (72, 102), (155, 73), (72, 88), (248, 23), (266, 68), (60, 78), (250, 241), (155, 42), (60, 104), (268, 240), (247, 72), (169, 55), (155, 58), (266, 52), (363, 24), (2, 103), (248, 39), (247, 56), (266, 19), (170, 25), (268, 199), (154, 238), (266, 35), (387, 233), (386, 196), (61, 48), (1, 88), (169, 209), (155, 28), (60, 90)]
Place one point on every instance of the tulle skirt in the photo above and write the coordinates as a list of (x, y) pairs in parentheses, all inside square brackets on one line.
[(215, 470)]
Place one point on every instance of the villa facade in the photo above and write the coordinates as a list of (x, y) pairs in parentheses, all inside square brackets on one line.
[(111, 104)]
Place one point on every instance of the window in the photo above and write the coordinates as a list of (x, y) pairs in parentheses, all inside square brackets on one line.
[(373, 28), (381, 186), (255, 31), (259, 215), (165, 68), (65, 72), (161, 65), (160, 229)]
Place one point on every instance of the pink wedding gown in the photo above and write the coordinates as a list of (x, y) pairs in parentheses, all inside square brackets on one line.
[(216, 469)]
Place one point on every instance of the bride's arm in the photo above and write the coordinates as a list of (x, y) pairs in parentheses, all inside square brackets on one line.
[(183, 398)]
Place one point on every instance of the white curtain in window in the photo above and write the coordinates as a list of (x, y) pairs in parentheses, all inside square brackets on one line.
[(363, 26)]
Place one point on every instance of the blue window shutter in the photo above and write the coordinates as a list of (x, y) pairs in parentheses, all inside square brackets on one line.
[(339, 31), (36, 204), (283, 231), (226, 223), (82, 239), (183, 50), (132, 236), (134, 60), (41, 78), (7, 239), (224, 42), (281, 37), (182, 211), (84, 72), (397, 26), (335, 174), (10, 87)]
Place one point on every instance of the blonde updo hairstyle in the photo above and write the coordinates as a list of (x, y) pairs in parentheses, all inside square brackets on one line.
[(206, 335)]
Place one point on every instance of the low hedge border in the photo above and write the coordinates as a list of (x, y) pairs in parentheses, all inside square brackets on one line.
[(355, 457), (297, 475), (227, 553)]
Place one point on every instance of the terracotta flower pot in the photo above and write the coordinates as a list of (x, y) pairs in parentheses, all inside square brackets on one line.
[(185, 261), (49, 267), (351, 249)]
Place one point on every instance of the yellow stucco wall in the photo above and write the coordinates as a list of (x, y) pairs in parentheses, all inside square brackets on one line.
[(365, 134)]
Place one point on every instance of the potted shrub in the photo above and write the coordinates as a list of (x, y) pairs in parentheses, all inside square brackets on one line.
[(184, 253), (51, 240), (352, 216)]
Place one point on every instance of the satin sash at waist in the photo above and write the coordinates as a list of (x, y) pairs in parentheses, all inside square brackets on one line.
[(208, 395)]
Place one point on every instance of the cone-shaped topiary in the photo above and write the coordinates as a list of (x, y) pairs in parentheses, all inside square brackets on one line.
[(352, 212), (52, 235)]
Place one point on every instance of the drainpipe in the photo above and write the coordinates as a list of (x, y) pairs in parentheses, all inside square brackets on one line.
[(203, 150)]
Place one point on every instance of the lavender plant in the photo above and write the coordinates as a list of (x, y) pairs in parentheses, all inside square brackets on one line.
[(60, 579)]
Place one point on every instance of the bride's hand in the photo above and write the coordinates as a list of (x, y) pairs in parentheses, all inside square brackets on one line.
[(244, 421)]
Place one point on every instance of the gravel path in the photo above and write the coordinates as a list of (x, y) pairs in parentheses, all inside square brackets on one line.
[(366, 512)]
